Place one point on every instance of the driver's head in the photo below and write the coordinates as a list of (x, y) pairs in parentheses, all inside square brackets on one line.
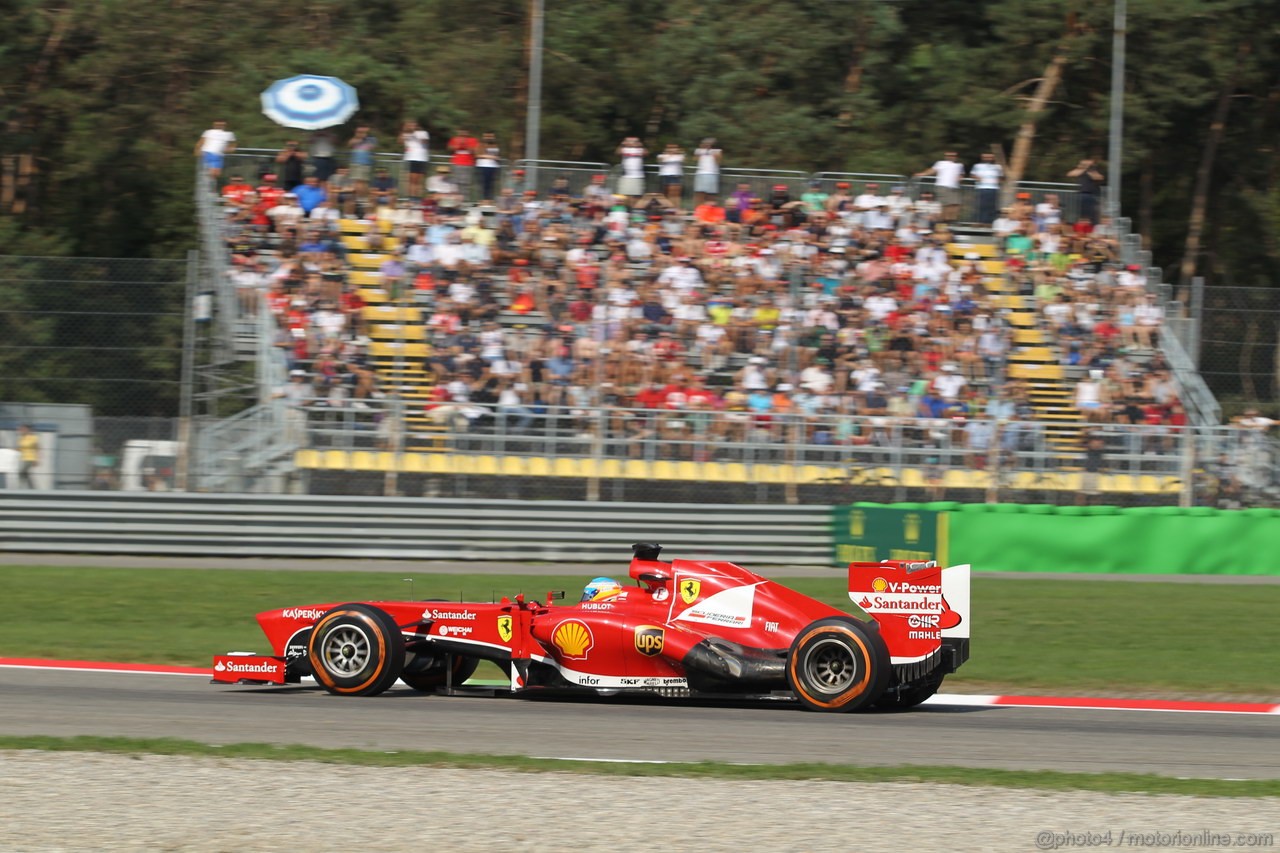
[(601, 589)]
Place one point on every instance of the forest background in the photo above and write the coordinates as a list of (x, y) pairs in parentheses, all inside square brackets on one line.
[(101, 101)]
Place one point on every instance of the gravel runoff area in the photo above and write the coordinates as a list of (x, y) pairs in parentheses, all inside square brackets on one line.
[(90, 801)]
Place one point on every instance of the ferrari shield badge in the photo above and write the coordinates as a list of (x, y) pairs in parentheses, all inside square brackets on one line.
[(689, 591), (504, 628)]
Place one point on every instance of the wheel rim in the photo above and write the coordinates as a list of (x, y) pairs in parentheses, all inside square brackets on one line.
[(831, 666), (346, 651)]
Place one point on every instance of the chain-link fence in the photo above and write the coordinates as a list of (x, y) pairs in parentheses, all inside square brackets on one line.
[(105, 333), (1238, 335)]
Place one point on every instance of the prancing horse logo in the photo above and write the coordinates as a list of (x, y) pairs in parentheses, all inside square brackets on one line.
[(504, 628), (689, 591)]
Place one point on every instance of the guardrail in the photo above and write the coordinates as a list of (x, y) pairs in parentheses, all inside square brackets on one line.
[(422, 529)]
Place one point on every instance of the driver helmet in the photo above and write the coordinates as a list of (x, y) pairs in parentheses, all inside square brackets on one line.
[(601, 589)]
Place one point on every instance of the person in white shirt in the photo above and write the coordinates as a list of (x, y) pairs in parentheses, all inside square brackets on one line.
[(706, 180), (950, 382), (632, 152), (671, 172), (867, 205), (1147, 316), (416, 154), (987, 175), (214, 146), (948, 171)]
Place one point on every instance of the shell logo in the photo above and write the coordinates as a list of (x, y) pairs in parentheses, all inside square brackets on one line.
[(879, 585), (573, 639)]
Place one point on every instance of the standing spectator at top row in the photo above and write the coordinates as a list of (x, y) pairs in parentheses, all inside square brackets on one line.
[(632, 152), (948, 171), (416, 154), (706, 180), (1089, 183), (214, 146)]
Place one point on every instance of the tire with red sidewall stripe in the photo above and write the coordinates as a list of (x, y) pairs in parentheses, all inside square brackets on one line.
[(356, 650), (838, 664)]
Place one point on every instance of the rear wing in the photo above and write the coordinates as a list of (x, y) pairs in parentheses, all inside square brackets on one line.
[(920, 607)]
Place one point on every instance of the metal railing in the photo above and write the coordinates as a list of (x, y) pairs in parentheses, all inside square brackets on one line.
[(893, 453)]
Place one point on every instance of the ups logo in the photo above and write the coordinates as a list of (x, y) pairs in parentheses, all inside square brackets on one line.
[(650, 640)]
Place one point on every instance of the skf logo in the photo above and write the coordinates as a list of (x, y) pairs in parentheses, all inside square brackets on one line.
[(573, 639), (504, 628), (650, 639), (911, 528), (689, 591), (857, 523)]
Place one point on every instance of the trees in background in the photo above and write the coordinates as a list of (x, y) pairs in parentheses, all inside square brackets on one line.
[(102, 100)]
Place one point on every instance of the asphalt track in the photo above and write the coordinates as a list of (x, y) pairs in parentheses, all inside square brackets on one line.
[(1201, 745)]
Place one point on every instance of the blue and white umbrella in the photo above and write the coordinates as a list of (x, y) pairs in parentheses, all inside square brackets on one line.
[(309, 102)]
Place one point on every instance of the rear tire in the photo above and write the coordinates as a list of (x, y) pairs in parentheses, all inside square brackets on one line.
[(911, 694), (431, 677), (838, 665), (356, 650)]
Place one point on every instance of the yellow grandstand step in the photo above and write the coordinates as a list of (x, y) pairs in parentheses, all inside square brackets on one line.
[(365, 278), (1044, 355), (982, 250), (397, 349), (1031, 337), (1013, 302), (991, 267), (1036, 371), (367, 260), (392, 314), (396, 332), (373, 296), (354, 226), (1022, 319), (364, 243)]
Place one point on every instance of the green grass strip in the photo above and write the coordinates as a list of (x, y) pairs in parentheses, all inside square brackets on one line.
[(1066, 637), (1034, 779)]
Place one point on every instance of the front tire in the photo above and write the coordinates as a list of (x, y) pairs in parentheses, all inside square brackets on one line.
[(356, 650), (838, 665)]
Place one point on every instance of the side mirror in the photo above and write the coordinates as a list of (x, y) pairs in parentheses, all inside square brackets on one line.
[(654, 579), (555, 595)]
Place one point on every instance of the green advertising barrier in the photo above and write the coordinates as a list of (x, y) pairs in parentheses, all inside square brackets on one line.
[(1043, 538), (866, 532)]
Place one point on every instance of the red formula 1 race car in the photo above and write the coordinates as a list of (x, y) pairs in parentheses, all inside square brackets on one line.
[(689, 627)]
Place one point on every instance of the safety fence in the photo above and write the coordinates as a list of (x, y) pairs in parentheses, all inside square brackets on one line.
[(610, 454), (102, 332), (1040, 538), (271, 526), (571, 177)]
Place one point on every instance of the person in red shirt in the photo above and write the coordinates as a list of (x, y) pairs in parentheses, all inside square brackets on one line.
[(652, 396), (269, 192), (1106, 331), (236, 190), (709, 212), (463, 147)]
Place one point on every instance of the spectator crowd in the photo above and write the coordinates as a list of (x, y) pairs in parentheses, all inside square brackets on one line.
[(843, 300)]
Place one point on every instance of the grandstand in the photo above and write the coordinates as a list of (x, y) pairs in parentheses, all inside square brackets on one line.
[(405, 393)]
